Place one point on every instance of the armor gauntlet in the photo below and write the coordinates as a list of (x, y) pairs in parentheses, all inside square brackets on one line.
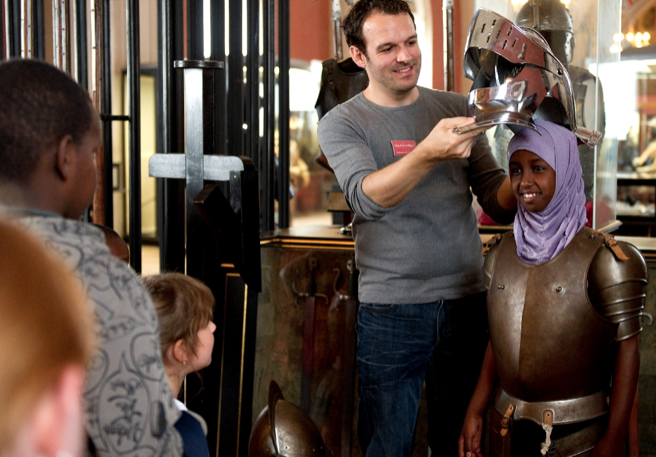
[(617, 288)]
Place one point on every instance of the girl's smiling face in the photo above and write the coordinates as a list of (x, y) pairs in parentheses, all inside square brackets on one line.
[(533, 181)]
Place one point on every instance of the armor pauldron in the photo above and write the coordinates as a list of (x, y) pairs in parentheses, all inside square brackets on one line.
[(617, 288)]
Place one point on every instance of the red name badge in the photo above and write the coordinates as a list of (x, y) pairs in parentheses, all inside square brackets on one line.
[(401, 148)]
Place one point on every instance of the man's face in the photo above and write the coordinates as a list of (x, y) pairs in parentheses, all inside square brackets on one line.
[(393, 58), (85, 170)]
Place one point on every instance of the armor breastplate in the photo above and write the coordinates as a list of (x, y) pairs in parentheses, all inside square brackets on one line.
[(340, 81), (548, 341)]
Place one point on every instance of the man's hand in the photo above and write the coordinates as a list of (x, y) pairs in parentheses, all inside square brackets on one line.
[(443, 143), (392, 184), (469, 444)]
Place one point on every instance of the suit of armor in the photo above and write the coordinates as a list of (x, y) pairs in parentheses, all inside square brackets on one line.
[(554, 329)]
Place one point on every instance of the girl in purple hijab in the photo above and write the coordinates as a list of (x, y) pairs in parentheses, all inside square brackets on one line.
[(541, 232), (564, 305)]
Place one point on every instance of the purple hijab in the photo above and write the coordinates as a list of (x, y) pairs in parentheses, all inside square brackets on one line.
[(542, 236)]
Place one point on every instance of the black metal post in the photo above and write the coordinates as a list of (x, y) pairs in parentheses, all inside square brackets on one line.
[(4, 32), (195, 30), (39, 31), (81, 60), (252, 106), (13, 7), (217, 29), (106, 109), (283, 114), (67, 45), (267, 164), (134, 85), (170, 122), (235, 81)]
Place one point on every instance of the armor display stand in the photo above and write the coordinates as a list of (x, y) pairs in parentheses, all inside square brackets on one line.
[(222, 250)]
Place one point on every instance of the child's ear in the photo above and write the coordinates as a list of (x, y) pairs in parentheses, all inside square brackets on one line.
[(64, 157), (180, 351)]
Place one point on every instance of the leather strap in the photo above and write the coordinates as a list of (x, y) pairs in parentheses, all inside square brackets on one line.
[(505, 422), (612, 244), (491, 242)]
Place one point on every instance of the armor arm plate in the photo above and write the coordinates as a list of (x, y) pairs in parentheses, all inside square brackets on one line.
[(617, 288)]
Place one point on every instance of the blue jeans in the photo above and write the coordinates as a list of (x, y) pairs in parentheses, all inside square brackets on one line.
[(400, 346)]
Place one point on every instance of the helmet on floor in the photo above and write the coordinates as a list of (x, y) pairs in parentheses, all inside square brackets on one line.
[(283, 429)]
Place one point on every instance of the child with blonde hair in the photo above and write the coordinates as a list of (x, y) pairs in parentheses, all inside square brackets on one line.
[(185, 308), (46, 341)]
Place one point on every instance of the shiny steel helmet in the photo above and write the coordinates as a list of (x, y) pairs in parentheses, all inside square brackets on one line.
[(517, 78), (283, 429)]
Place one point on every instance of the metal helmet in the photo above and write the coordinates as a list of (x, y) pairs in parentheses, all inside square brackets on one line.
[(284, 430), (554, 22), (517, 78), (544, 15)]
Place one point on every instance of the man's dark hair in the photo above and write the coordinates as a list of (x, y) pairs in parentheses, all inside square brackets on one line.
[(358, 14), (39, 105)]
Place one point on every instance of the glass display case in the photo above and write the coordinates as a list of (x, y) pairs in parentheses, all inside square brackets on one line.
[(636, 175), (582, 35)]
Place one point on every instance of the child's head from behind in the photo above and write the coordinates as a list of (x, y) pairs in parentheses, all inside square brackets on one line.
[(544, 167), (184, 307)]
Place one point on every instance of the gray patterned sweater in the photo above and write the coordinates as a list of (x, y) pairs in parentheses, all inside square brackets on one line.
[(129, 408)]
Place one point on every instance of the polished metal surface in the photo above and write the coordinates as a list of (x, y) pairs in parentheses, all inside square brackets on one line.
[(447, 20), (517, 77), (283, 429), (197, 64), (564, 411), (215, 168), (537, 312), (545, 15), (618, 288)]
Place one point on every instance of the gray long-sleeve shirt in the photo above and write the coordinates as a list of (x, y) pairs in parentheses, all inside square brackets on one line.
[(427, 247)]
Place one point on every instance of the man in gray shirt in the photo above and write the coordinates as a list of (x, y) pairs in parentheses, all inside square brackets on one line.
[(409, 179)]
